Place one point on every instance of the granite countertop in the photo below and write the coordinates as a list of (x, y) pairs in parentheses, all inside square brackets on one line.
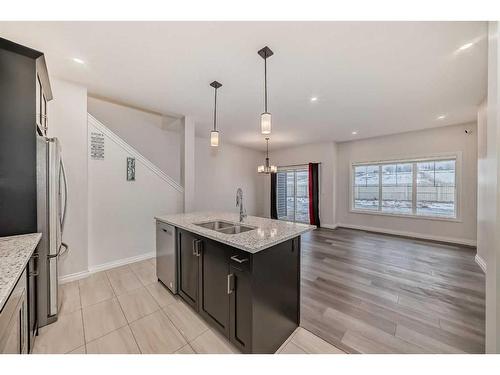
[(15, 252), (268, 232)]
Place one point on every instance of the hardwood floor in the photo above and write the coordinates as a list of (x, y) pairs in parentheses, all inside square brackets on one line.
[(373, 293)]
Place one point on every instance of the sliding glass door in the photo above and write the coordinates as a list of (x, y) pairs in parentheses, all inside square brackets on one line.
[(292, 195)]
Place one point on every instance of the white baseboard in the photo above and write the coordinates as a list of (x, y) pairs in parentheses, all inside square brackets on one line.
[(480, 261), (73, 276), (459, 241), (329, 226), (105, 266)]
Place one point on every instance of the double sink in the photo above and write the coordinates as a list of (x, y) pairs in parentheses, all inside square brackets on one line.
[(225, 227)]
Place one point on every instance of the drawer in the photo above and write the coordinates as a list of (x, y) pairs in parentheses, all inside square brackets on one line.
[(241, 260)]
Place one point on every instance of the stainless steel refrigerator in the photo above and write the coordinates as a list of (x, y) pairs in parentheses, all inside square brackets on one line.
[(52, 197)]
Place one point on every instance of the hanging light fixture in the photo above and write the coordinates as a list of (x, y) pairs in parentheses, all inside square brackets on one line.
[(265, 118), (267, 168), (214, 134)]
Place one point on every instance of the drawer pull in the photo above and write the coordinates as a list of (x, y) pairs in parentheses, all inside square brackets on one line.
[(230, 283), (236, 259)]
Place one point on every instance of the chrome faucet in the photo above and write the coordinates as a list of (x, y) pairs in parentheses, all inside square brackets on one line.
[(239, 202)]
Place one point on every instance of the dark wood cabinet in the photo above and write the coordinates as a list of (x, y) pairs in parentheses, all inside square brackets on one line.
[(32, 300), (253, 299), (188, 267), (240, 308), (213, 275), (25, 90), (13, 320)]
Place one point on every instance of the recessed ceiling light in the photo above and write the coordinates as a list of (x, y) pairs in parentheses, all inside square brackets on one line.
[(466, 46), (354, 133), (78, 61), (314, 99), (441, 117)]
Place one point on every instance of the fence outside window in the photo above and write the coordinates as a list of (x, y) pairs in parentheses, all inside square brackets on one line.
[(410, 187)]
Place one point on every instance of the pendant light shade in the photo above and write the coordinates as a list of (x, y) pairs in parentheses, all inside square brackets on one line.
[(214, 138), (265, 118), (267, 167), (214, 134), (265, 123)]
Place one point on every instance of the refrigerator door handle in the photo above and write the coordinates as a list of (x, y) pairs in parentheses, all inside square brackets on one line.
[(63, 245), (63, 216)]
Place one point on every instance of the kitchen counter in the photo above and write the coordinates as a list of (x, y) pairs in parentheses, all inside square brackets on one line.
[(15, 252), (268, 233)]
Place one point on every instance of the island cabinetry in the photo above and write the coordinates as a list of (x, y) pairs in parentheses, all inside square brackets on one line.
[(188, 267), (251, 298)]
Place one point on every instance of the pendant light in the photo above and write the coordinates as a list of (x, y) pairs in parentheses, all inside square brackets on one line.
[(267, 168), (214, 134), (265, 118)]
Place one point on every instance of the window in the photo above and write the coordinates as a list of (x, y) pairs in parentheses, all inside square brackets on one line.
[(292, 195), (366, 187), (424, 188)]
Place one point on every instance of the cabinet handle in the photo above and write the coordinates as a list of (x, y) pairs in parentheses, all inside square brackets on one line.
[(199, 247), (194, 248), (230, 283), (236, 259)]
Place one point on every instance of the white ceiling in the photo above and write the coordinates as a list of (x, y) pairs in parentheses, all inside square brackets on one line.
[(375, 78)]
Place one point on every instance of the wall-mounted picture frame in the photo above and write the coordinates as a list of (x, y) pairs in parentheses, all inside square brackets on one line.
[(130, 169)]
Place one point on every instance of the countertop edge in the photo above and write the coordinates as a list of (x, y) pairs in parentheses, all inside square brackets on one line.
[(252, 250), (30, 252)]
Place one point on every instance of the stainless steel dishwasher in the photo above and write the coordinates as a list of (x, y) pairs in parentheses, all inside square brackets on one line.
[(166, 255)]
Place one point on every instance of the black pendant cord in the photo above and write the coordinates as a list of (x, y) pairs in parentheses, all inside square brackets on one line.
[(265, 84), (215, 111)]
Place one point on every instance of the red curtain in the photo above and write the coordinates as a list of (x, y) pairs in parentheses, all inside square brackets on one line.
[(314, 194)]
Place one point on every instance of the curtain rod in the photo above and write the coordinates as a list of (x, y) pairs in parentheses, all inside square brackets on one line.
[(295, 165)]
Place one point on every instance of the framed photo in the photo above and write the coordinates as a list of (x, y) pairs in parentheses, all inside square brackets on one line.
[(130, 169)]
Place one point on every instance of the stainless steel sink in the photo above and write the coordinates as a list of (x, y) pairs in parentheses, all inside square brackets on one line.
[(216, 225), (225, 227), (236, 229)]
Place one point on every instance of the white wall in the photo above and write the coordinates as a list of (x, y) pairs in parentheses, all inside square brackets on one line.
[(325, 153), (156, 137), (188, 164), (67, 114), (486, 193), (489, 202), (220, 171), (121, 213), (423, 143)]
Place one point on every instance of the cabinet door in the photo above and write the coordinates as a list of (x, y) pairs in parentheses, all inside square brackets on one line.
[(213, 274), (188, 268), (241, 309), (13, 341), (32, 295)]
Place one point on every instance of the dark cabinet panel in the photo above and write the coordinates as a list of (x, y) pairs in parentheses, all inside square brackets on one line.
[(253, 299), (213, 273), (188, 268), (32, 299), (240, 309)]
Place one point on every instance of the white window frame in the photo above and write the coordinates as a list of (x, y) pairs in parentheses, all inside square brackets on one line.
[(457, 156)]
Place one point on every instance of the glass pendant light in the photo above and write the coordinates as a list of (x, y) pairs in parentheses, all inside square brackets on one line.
[(267, 168), (265, 118), (214, 134)]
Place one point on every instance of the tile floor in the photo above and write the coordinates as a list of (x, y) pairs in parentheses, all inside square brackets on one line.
[(126, 311)]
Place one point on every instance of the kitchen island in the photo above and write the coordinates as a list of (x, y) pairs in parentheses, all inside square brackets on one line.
[(242, 278)]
